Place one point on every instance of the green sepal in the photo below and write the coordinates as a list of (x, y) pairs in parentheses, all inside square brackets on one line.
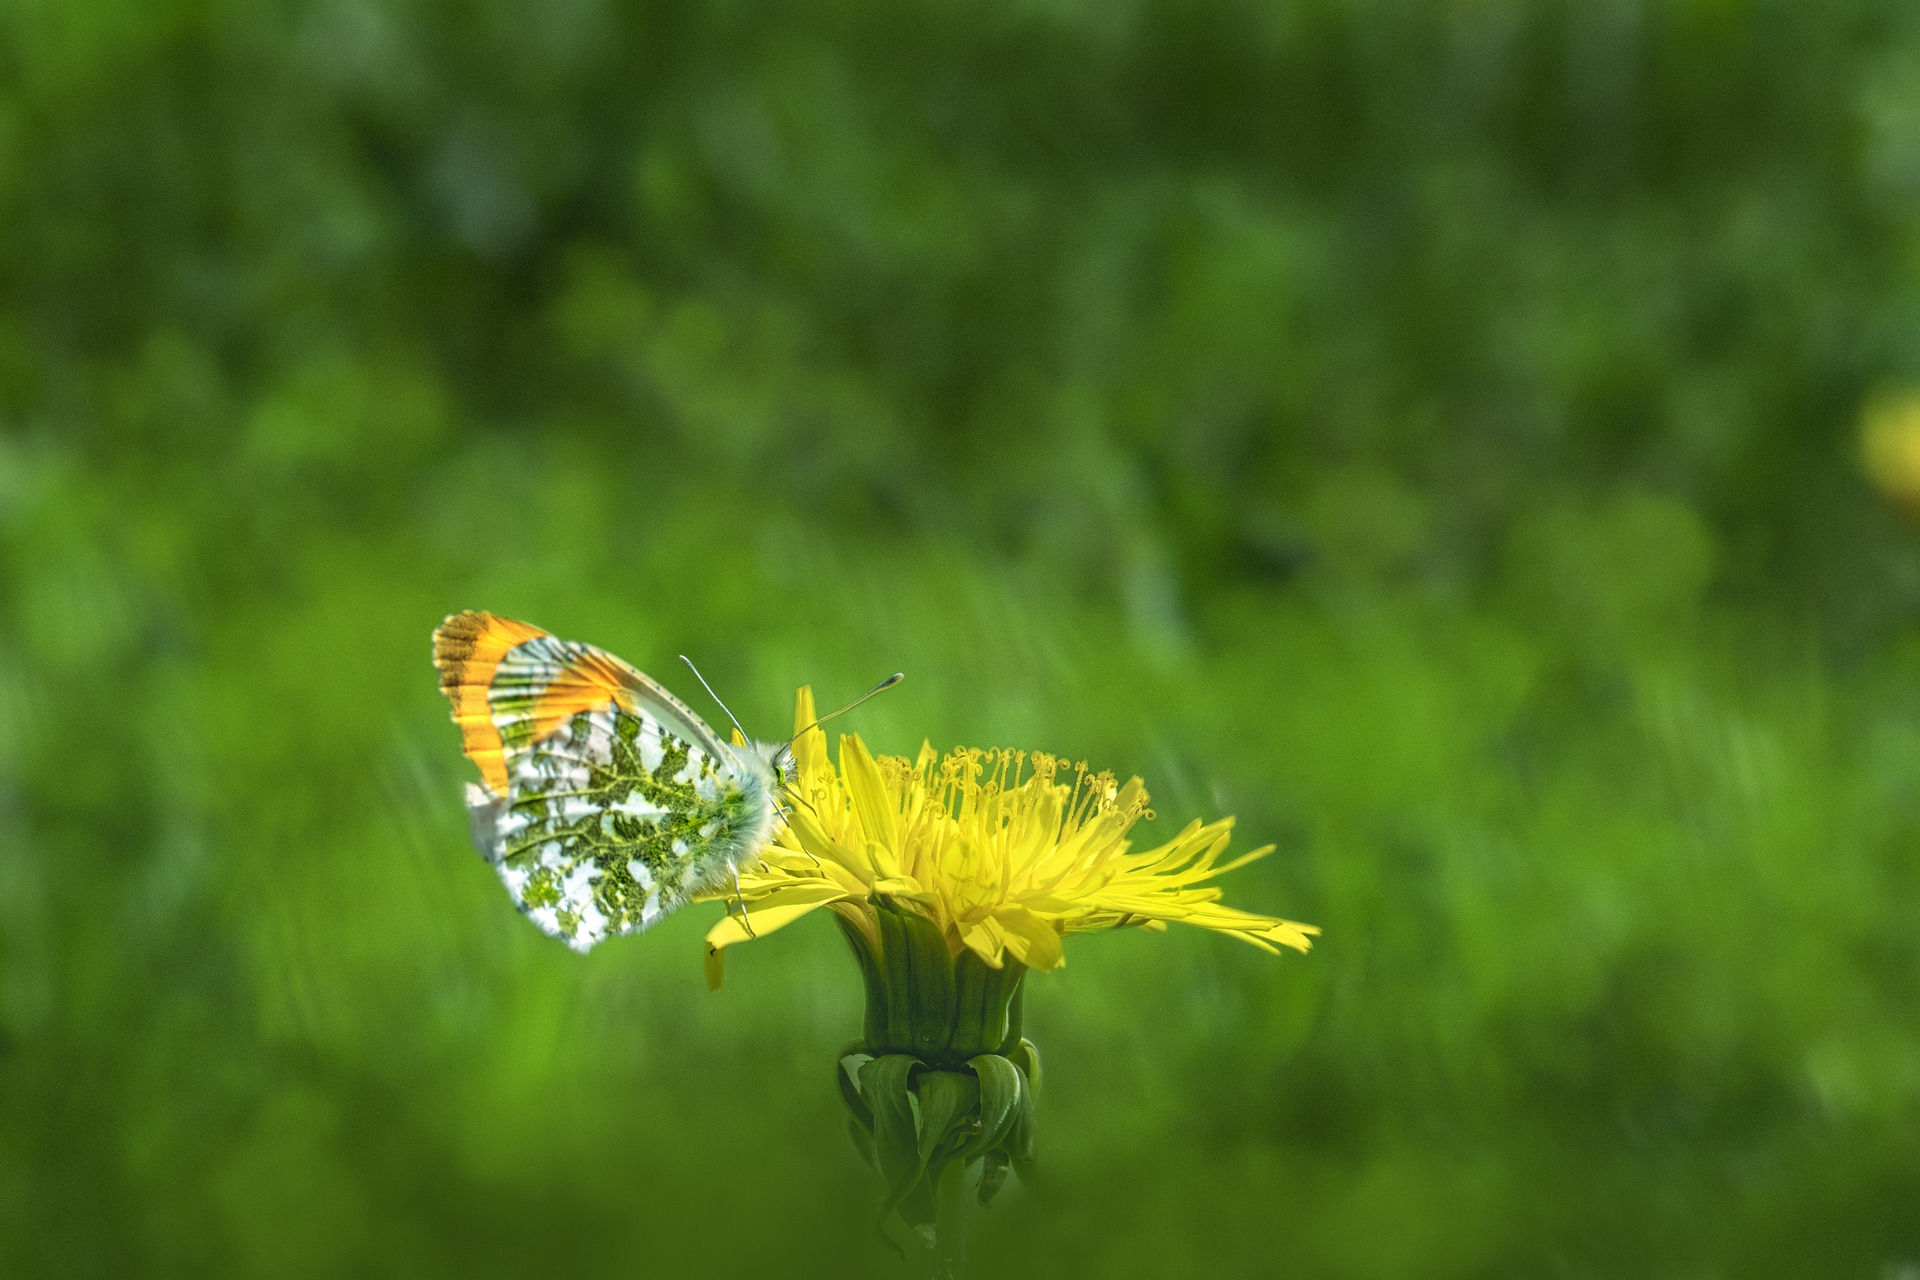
[(847, 1072), (1020, 1138), (884, 1083), (1016, 997), (987, 1005), (896, 979), (993, 1173), (872, 979), (917, 973), (925, 1000), (1026, 1056), (917, 1209), (947, 1102), (1000, 1090), (930, 996)]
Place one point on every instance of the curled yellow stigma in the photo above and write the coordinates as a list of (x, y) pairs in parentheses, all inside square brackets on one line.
[(1006, 851)]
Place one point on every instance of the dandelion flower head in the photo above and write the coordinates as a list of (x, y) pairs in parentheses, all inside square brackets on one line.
[(1007, 851)]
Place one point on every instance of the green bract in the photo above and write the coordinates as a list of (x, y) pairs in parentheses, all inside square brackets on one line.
[(941, 1090)]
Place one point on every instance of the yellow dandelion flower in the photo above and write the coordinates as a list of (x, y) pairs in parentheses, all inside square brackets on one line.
[(1005, 851), (951, 876)]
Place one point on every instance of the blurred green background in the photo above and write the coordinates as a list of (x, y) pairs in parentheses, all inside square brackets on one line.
[(1423, 428)]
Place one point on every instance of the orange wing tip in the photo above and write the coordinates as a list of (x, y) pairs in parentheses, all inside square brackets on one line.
[(588, 683), (467, 648), (475, 640)]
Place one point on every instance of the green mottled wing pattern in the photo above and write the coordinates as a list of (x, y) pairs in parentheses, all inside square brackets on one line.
[(607, 802), (611, 822)]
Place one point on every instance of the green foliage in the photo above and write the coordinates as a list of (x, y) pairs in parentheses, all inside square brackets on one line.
[(1423, 430)]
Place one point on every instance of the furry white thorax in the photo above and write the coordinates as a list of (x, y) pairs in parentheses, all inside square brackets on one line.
[(762, 769)]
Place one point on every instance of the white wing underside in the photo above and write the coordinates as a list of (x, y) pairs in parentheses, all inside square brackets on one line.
[(622, 813)]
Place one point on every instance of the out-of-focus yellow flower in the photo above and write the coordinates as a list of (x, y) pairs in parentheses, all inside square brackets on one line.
[(1005, 851), (1890, 441)]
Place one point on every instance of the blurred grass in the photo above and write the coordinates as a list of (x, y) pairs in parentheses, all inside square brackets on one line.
[(1425, 431)]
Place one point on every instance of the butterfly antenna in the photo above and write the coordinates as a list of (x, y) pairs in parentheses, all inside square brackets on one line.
[(744, 922), (888, 683), (710, 693)]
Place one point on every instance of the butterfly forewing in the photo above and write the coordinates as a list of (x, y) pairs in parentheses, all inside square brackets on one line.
[(608, 802), (543, 680)]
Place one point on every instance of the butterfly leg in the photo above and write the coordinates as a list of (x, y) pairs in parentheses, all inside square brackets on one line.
[(786, 815), (744, 922)]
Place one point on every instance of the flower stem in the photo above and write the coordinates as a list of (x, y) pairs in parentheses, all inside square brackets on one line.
[(954, 1214)]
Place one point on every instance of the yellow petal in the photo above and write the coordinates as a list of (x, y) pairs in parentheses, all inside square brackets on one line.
[(1061, 907), (971, 879), (774, 911), (904, 887), (988, 941), (858, 912), (1031, 939), (814, 839), (809, 744), (1289, 934), (880, 858), (797, 868), (868, 791)]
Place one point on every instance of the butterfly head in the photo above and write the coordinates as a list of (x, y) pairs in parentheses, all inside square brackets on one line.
[(769, 763), (780, 760)]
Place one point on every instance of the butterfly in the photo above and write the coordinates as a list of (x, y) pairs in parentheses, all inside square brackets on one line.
[(605, 803)]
